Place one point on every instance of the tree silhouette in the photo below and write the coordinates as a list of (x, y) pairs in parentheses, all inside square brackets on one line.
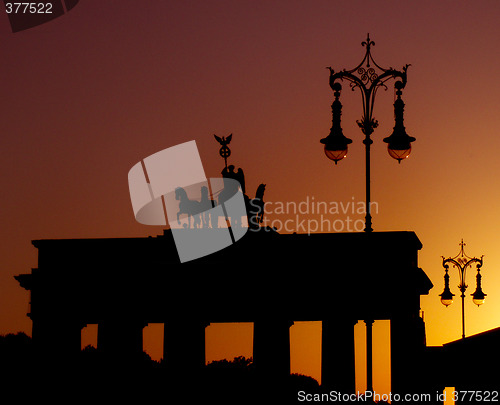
[(94, 373)]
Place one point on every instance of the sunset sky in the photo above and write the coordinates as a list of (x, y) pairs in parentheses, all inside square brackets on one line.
[(90, 94)]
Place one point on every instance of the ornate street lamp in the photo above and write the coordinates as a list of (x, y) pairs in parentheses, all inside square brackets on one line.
[(368, 82), (461, 262)]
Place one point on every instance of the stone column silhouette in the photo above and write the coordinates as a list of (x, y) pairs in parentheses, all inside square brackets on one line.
[(407, 353), (337, 355), (120, 339), (184, 346), (369, 354), (271, 348)]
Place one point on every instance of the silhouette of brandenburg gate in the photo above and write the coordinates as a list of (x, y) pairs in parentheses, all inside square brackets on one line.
[(270, 279)]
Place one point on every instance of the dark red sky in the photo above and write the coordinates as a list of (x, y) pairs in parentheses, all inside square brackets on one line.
[(86, 96)]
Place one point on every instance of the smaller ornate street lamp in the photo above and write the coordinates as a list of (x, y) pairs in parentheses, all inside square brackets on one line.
[(461, 262)]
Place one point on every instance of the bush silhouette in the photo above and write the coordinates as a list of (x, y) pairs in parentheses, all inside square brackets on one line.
[(92, 373)]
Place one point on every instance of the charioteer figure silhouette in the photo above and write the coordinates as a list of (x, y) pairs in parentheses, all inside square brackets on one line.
[(255, 206)]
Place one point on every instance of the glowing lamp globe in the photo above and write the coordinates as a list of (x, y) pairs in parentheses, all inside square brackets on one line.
[(336, 155), (399, 144), (478, 297), (399, 154), (336, 145), (447, 297)]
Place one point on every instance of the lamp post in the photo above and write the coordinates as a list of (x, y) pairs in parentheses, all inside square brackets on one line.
[(368, 80), (461, 262)]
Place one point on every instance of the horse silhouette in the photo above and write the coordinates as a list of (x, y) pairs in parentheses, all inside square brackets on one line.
[(192, 208), (198, 212)]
